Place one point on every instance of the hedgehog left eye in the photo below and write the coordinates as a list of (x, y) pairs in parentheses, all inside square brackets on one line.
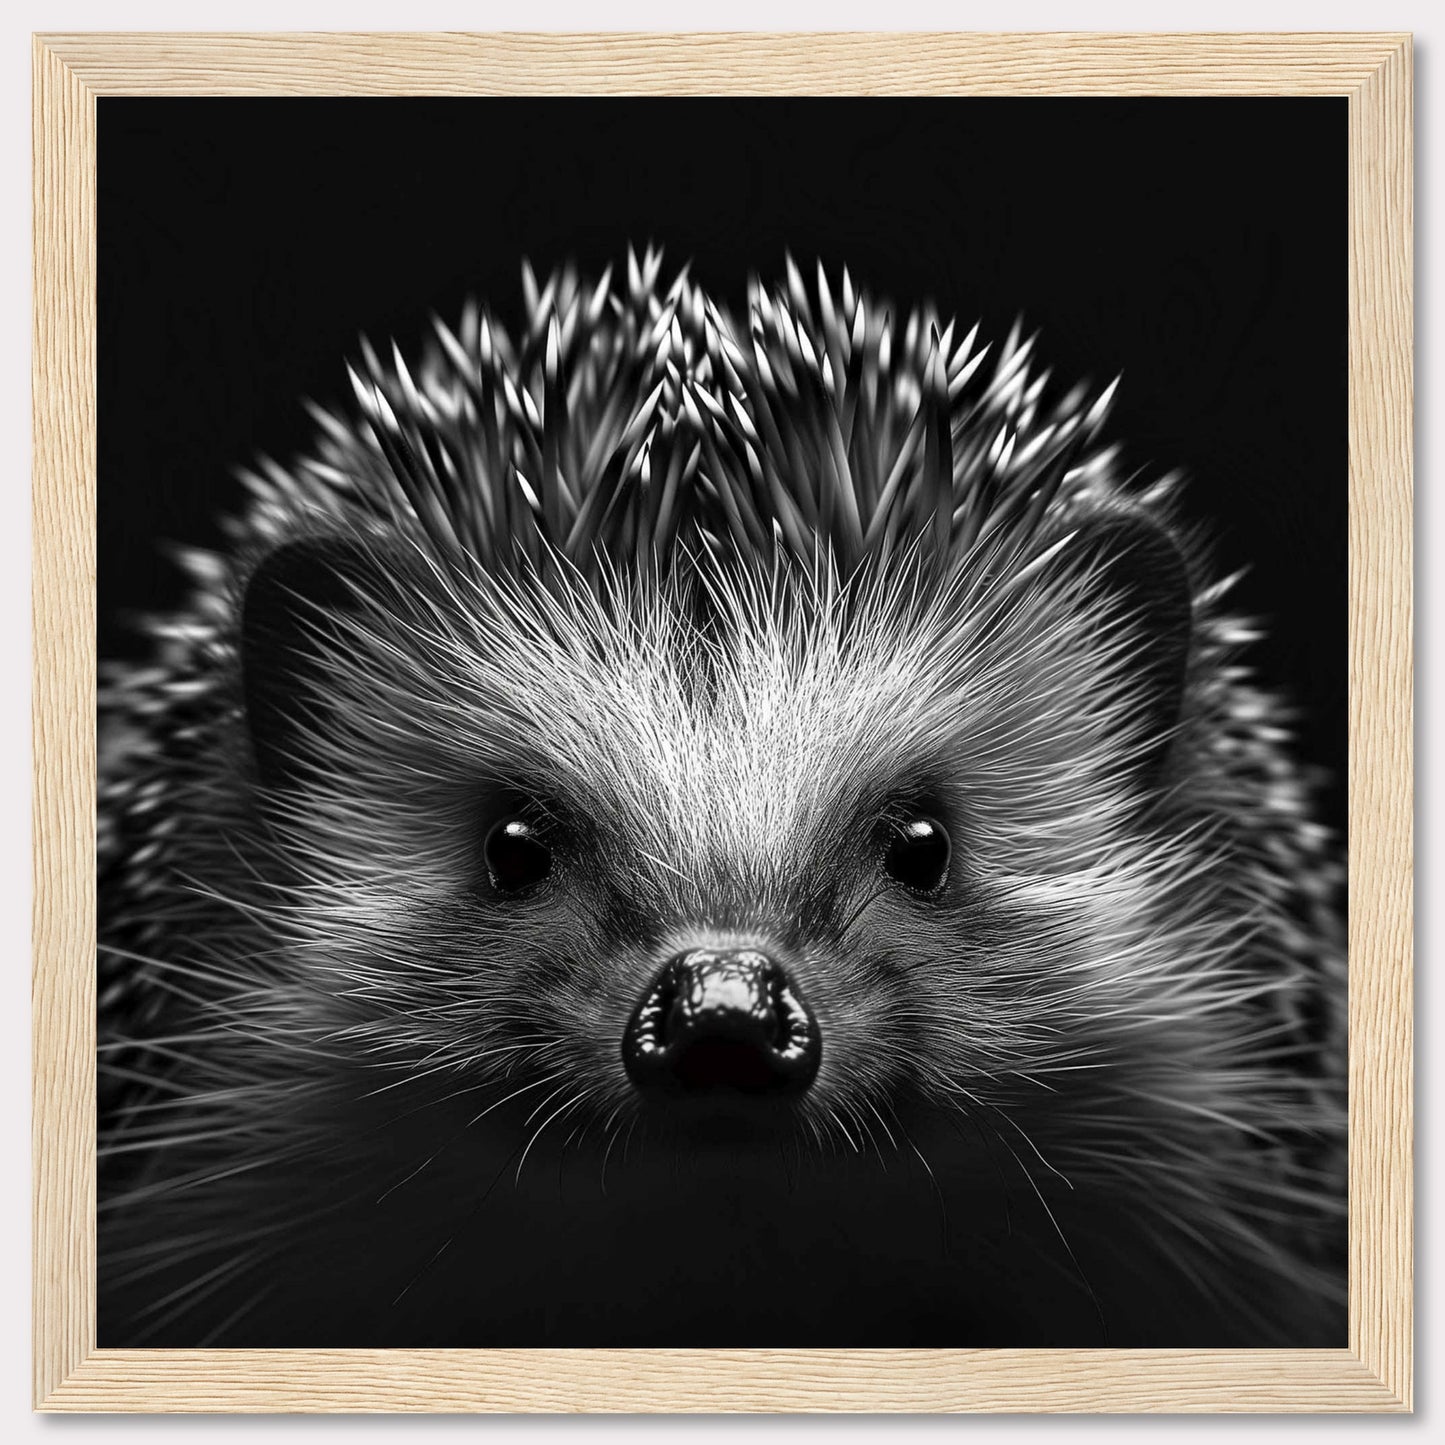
[(918, 854), (517, 855)]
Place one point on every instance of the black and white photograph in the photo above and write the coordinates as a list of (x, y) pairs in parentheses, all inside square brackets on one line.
[(722, 722)]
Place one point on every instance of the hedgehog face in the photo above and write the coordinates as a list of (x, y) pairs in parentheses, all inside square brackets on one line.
[(723, 841)]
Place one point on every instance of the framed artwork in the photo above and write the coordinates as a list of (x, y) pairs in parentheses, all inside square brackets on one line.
[(722, 722)]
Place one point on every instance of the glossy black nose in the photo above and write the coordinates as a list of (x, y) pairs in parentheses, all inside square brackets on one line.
[(716, 1020)]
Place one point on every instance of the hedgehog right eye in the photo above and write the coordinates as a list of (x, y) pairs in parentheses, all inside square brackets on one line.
[(517, 856), (918, 854)]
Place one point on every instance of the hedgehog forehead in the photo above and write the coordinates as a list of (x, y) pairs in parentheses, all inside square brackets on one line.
[(734, 745)]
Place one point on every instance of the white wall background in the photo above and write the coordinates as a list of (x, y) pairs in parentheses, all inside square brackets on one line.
[(1423, 17)]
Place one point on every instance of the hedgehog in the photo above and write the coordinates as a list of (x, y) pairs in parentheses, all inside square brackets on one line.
[(668, 826)]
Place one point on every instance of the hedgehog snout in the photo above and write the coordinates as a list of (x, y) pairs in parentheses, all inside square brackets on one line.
[(721, 1023)]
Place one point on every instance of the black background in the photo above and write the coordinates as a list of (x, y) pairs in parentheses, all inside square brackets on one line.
[(1198, 246)]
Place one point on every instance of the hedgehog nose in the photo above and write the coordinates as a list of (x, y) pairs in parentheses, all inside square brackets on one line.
[(715, 1020)]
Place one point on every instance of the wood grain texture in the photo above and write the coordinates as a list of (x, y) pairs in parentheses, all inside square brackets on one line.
[(1374, 1373), (63, 706), (854, 63), (1381, 767), (709, 1381)]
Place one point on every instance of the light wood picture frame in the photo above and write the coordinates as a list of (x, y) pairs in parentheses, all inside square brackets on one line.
[(1374, 1373)]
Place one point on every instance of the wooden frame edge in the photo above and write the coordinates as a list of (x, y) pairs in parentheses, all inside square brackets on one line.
[(712, 1381), (63, 715), (1373, 1374), (1381, 789), (700, 63)]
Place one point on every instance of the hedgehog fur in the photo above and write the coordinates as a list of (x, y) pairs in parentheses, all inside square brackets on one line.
[(715, 598)]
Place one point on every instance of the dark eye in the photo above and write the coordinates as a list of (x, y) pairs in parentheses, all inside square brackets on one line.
[(917, 854), (517, 855)]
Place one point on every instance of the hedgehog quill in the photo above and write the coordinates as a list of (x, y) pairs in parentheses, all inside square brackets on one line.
[(673, 828)]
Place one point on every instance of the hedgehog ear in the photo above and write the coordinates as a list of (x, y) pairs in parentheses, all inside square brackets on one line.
[(288, 599), (1136, 561)]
